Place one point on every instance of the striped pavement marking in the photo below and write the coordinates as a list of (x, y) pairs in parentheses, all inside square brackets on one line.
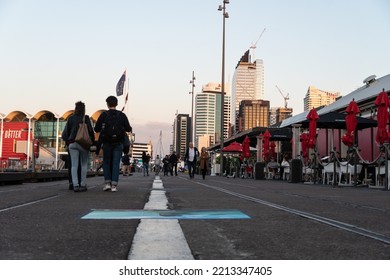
[(159, 239)]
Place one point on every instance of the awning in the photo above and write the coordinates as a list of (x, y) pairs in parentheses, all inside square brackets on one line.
[(337, 121)]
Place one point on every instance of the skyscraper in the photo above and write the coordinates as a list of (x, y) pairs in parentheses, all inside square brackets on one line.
[(315, 98), (181, 133), (248, 84), (207, 113)]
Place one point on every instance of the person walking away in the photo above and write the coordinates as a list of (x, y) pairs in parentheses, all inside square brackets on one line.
[(173, 162), (166, 165), (126, 165), (68, 161), (204, 162), (157, 164), (190, 157), (145, 163), (112, 126), (78, 154)]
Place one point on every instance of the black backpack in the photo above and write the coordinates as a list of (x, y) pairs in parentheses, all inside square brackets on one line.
[(113, 130)]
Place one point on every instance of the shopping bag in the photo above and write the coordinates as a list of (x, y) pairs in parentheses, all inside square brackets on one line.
[(82, 136)]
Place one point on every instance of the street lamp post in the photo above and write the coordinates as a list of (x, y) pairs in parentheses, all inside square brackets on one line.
[(225, 15), (192, 82)]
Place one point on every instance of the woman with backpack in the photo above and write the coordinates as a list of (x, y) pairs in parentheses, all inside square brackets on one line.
[(112, 126)]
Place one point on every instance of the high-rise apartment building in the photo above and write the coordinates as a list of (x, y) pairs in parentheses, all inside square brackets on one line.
[(272, 115), (181, 134), (316, 98), (138, 148), (248, 84), (208, 114), (253, 113)]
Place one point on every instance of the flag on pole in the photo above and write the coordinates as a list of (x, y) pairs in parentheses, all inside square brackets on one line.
[(120, 85)]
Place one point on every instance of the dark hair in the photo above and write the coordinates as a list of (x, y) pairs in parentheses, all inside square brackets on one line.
[(79, 108), (112, 101)]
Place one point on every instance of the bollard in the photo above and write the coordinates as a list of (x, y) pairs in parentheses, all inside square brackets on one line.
[(296, 171), (259, 171)]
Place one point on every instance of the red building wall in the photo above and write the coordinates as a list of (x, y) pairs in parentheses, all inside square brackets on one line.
[(12, 132)]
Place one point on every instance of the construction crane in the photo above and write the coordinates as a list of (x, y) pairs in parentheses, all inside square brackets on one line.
[(253, 46), (285, 96)]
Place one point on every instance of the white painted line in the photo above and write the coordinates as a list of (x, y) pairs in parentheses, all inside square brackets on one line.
[(159, 239)]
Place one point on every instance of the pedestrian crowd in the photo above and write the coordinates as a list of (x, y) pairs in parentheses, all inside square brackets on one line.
[(113, 127)]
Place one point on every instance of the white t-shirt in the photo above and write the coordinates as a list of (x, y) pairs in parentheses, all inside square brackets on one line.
[(191, 154)]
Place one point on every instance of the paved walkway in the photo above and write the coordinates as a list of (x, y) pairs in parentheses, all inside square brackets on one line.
[(216, 218)]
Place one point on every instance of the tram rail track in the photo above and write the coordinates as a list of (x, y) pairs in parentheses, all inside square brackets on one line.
[(323, 199), (314, 217), (29, 203)]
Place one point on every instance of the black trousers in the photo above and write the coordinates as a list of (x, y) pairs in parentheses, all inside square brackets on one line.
[(191, 168), (204, 172)]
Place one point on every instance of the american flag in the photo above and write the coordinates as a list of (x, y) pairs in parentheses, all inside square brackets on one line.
[(120, 85)]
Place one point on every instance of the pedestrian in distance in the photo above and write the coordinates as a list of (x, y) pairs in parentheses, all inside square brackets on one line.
[(125, 165), (166, 165), (173, 163), (204, 162), (145, 163), (190, 157), (157, 164), (78, 154), (112, 126)]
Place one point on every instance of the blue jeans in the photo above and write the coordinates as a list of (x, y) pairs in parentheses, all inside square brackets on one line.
[(77, 152), (146, 169), (112, 154)]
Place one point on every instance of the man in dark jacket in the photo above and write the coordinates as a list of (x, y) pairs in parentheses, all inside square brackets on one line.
[(173, 162), (190, 157), (112, 146)]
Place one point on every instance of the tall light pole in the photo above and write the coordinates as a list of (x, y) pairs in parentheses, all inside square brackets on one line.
[(192, 82), (225, 15)]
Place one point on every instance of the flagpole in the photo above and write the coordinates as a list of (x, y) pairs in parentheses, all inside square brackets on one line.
[(125, 90), (127, 97)]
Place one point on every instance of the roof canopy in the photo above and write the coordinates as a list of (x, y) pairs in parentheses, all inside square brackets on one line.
[(337, 121)]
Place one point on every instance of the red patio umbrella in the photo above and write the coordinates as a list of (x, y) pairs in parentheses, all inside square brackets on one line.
[(304, 140), (312, 117), (246, 153), (266, 147), (234, 147), (351, 123), (382, 101), (272, 149)]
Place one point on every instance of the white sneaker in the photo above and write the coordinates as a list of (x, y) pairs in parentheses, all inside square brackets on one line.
[(107, 187), (114, 189)]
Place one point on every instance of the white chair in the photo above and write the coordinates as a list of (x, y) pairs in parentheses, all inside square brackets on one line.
[(286, 172), (349, 170), (381, 173), (271, 173), (327, 173), (308, 174)]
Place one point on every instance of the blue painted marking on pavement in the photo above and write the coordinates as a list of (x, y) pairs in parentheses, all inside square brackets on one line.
[(109, 214)]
